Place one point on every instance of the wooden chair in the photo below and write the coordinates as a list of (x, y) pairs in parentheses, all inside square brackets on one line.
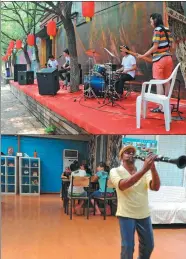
[(105, 198), (79, 181)]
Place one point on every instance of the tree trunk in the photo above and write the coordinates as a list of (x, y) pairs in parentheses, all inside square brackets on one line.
[(37, 56), (92, 152), (113, 148), (13, 62), (28, 61), (178, 30), (74, 68)]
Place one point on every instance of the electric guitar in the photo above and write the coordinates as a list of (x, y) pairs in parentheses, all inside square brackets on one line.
[(122, 48)]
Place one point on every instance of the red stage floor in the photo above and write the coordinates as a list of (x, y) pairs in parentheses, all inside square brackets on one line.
[(108, 119)]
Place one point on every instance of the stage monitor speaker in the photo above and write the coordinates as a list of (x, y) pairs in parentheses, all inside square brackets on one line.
[(26, 77), (48, 81), (17, 68)]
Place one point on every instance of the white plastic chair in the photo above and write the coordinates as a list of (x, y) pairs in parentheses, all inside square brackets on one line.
[(156, 98)]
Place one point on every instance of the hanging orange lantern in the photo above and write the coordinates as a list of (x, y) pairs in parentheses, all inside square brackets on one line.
[(51, 29), (11, 44), (18, 44), (31, 40), (88, 10)]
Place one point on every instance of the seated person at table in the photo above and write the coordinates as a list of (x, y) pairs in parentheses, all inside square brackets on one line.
[(86, 168), (77, 191), (101, 176), (66, 173)]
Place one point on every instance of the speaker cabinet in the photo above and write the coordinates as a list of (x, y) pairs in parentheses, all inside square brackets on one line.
[(48, 81), (26, 77), (17, 68)]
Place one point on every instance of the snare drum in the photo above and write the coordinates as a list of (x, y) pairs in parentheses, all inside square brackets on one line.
[(99, 69), (96, 82)]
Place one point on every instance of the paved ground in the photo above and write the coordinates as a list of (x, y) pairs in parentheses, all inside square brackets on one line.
[(15, 118)]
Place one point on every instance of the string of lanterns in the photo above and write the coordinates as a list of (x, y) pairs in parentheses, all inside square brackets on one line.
[(88, 10)]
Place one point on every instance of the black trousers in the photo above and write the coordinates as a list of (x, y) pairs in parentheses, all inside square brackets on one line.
[(120, 84), (64, 74)]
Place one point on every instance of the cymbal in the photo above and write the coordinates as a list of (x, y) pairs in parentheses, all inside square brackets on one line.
[(92, 53)]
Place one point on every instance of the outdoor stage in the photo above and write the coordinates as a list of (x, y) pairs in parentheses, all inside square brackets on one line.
[(81, 116)]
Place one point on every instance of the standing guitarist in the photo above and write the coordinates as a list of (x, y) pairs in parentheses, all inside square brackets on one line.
[(127, 71)]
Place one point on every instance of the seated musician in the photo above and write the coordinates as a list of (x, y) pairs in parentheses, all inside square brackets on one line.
[(64, 73), (52, 62), (127, 71)]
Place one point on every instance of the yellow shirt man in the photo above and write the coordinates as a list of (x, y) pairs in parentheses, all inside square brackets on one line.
[(132, 202)]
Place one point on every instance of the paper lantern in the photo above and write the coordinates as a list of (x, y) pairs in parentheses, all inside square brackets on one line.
[(4, 58), (88, 10), (18, 44), (51, 29), (9, 52), (11, 44), (31, 40)]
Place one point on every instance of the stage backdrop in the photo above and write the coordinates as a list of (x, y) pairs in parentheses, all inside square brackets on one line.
[(50, 151), (114, 24)]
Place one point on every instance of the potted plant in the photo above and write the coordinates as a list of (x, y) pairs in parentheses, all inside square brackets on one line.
[(50, 129)]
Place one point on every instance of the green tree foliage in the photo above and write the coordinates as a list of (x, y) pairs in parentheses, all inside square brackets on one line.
[(18, 19)]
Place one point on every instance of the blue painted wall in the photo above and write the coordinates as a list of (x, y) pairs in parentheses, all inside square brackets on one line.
[(50, 152), (9, 141)]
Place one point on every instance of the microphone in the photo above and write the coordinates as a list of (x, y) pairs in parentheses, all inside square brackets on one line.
[(60, 56)]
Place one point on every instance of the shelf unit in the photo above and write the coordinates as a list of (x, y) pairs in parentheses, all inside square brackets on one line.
[(8, 175), (29, 176)]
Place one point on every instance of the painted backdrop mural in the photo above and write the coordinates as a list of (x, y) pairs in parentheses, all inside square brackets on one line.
[(114, 24)]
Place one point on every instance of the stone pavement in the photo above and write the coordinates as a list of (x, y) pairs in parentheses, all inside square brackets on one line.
[(15, 118)]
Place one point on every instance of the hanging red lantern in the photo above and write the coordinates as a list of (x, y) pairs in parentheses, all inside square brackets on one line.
[(88, 10), (31, 40), (5, 58), (9, 52), (51, 29), (18, 44), (11, 44)]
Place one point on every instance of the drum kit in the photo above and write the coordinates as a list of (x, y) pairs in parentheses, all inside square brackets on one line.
[(101, 79)]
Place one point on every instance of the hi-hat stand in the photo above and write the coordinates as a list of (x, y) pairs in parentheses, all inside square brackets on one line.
[(110, 92), (89, 93)]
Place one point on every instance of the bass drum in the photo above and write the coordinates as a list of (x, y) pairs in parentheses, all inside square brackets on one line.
[(96, 82)]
